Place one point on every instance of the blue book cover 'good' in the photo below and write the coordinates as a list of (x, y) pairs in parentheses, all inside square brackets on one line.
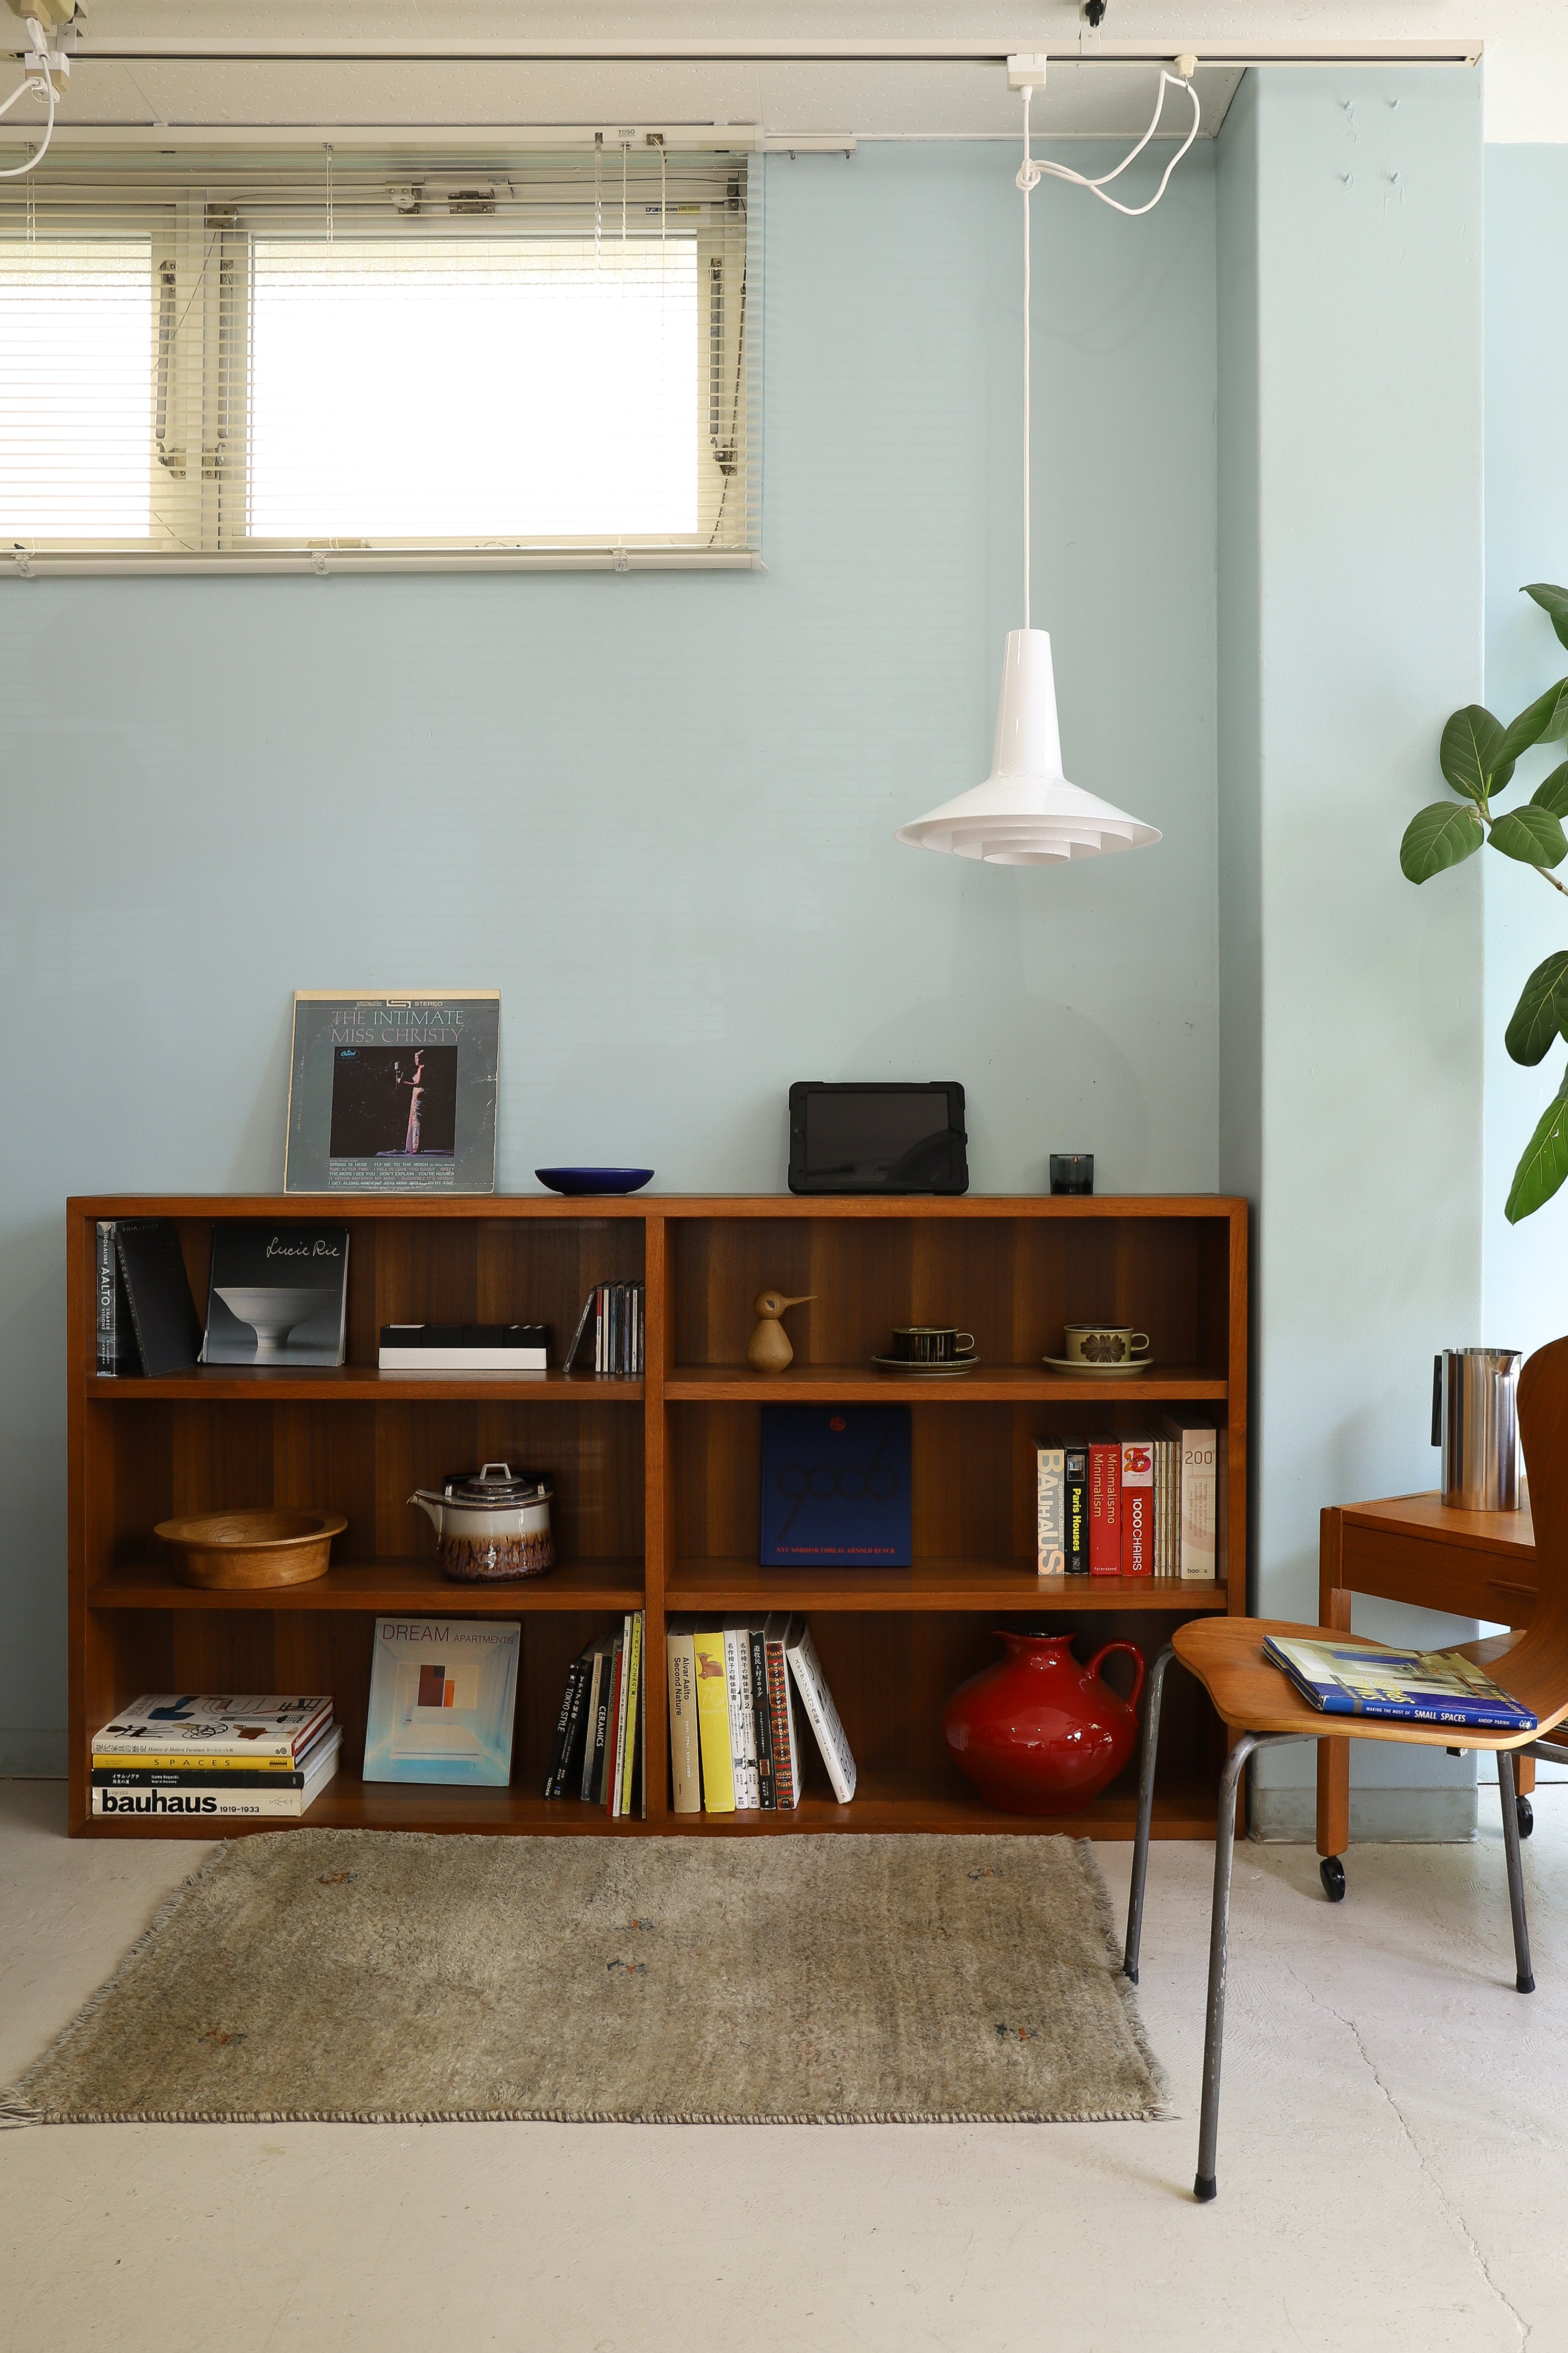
[(836, 1486)]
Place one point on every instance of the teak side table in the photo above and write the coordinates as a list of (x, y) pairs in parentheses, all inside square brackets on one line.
[(1418, 1549), (657, 1495)]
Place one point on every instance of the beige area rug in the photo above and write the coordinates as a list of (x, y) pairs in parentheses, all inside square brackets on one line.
[(345, 1975)]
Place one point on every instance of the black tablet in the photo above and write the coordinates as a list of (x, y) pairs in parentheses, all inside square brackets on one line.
[(878, 1138)]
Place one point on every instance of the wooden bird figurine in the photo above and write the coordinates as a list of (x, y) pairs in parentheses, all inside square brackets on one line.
[(770, 1350)]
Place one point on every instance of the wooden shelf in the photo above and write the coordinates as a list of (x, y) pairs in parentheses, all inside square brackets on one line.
[(656, 1507), (360, 1384), (883, 1802), (988, 1385), (708, 1585), (384, 1585)]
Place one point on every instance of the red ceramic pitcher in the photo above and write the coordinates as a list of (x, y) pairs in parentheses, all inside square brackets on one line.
[(1036, 1733)]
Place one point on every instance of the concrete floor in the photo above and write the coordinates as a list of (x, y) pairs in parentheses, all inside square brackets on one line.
[(1394, 2162)]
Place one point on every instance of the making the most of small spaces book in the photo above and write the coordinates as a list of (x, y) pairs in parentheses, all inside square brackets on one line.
[(442, 1695), (1402, 1686), (216, 1752), (836, 1486)]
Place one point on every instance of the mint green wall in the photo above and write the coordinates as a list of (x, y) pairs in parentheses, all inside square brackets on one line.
[(656, 812), (1526, 1297), (1350, 499)]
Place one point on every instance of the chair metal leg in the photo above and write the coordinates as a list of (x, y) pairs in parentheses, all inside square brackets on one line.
[(1145, 1812), (1505, 1782), (1207, 2186)]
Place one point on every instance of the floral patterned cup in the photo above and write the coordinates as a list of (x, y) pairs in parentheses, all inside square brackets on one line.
[(1105, 1343)]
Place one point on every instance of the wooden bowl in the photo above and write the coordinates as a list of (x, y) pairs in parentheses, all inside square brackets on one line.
[(240, 1548)]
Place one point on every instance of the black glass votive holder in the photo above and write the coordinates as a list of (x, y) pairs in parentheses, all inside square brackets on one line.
[(1072, 1172)]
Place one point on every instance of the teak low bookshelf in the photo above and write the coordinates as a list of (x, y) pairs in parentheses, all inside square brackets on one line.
[(657, 1480)]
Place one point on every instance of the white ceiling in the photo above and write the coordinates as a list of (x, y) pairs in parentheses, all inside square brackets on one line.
[(783, 63)]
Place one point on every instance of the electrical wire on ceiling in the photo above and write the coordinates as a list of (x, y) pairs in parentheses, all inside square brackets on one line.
[(45, 71)]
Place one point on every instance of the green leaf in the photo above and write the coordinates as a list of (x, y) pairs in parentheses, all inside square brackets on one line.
[(1551, 792), (1544, 1162), (1438, 837), (1553, 602), (1546, 717), (1470, 753), (1540, 1011), (1531, 835)]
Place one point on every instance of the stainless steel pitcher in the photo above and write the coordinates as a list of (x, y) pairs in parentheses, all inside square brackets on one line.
[(1475, 1421)]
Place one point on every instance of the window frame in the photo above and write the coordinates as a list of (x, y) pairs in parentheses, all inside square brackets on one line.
[(200, 241)]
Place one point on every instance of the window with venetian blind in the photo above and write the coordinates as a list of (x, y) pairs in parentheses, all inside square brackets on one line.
[(228, 363)]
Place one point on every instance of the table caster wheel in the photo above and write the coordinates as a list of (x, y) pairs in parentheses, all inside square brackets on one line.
[(1331, 1871), (1525, 1813)]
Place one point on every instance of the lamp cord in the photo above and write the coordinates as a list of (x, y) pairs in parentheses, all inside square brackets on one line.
[(1028, 180), (1098, 187)]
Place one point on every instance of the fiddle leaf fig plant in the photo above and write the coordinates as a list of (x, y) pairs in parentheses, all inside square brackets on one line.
[(1477, 755)]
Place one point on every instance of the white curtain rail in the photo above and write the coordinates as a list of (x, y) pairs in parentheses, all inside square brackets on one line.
[(1090, 50), (40, 564)]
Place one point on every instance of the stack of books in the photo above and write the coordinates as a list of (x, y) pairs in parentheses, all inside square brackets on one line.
[(613, 1313), (1144, 1504), (182, 1753), (599, 1750), (734, 1741)]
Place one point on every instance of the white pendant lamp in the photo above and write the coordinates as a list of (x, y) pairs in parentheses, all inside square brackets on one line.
[(1027, 812)]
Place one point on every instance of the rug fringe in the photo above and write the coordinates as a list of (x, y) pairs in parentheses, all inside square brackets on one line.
[(593, 2117), (1165, 2110)]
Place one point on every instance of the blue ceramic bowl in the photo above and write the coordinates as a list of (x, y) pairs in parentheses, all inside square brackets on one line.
[(594, 1180)]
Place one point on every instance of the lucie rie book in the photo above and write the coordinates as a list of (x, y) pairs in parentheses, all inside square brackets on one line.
[(276, 1294)]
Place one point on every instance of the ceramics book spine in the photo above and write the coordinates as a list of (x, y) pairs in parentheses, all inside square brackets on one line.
[(686, 1770), (743, 1723), (598, 1718), (1050, 1510), (821, 1714), (1105, 1508), (1198, 1445), (762, 1718), (1137, 1507), (787, 1782), (713, 1721), (1075, 1492)]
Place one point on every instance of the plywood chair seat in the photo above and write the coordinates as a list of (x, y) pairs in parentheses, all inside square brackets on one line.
[(1259, 1705), (1250, 1694)]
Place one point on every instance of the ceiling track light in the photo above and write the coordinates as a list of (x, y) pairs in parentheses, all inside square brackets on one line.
[(1027, 812)]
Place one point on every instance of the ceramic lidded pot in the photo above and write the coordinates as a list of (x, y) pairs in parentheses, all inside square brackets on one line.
[(1036, 1733), (493, 1525)]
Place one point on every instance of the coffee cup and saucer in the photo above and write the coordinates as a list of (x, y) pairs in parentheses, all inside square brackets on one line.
[(1110, 1351), (930, 1351)]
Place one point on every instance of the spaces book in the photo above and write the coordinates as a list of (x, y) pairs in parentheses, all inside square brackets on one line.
[(442, 1696), (276, 1294), (393, 1094)]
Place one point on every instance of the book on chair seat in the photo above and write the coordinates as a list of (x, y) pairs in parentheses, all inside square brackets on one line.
[(1396, 1686)]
